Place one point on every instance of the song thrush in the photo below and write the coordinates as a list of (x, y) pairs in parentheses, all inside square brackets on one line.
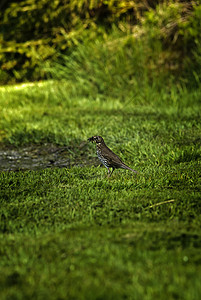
[(108, 158)]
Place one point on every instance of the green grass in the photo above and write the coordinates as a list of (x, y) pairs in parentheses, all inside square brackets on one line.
[(74, 233)]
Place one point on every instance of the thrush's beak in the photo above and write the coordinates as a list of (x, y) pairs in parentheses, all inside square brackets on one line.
[(91, 139)]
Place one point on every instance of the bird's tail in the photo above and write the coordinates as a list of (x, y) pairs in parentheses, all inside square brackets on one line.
[(128, 168)]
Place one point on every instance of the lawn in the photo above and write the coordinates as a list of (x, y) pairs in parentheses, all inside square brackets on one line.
[(73, 233)]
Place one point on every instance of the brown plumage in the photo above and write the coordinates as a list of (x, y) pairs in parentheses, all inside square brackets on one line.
[(107, 157)]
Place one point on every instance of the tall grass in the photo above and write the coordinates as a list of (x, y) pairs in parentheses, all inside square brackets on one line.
[(122, 65), (119, 66)]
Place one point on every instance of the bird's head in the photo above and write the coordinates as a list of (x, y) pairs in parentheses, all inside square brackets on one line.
[(96, 139)]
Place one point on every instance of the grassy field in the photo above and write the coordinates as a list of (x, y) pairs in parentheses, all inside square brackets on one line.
[(75, 234)]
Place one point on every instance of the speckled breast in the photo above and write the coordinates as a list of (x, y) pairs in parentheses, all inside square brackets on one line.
[(102, 159)]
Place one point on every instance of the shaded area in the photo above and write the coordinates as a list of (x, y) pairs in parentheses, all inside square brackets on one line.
[(37, 157)]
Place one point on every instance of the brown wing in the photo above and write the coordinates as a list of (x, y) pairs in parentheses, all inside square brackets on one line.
[(113, 160)]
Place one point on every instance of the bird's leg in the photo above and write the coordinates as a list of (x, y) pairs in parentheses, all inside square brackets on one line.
[(109, 173)]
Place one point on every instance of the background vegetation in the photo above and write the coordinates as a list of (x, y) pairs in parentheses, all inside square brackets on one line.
[(34, 33)]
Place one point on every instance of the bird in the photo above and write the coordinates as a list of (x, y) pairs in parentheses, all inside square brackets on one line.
[(107, 157)]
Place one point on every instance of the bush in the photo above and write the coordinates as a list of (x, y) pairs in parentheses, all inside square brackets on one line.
[(36, 31), (175, 27)]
